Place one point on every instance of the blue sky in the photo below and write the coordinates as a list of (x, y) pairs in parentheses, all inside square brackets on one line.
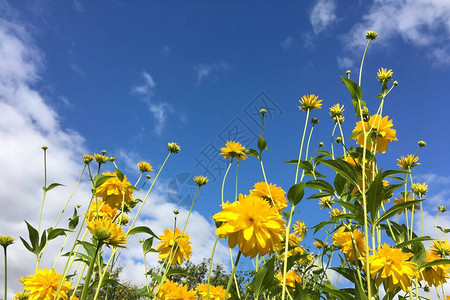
[(130, 76)]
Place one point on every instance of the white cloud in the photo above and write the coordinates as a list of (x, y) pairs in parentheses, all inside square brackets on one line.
[(205, 71), (145, 89), (323, 15), (288, 42), (422, 23), (160, 113), (344, 62), (77, 70)]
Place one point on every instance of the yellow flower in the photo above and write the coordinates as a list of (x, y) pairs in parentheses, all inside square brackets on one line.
[(173, 291), (232, 150), (309, 102), (291, 278), (21, 296), (173, 147), (320, 244), (335, 212), (336, 112), (252, 224), (215, 292), (87, 158), (117, 237), (441, 248), (408, 162), (100, 210), (382, 133), (435, 275), (300, 229), (200, 180), (44, 284), (275, 195), (101, 159), (406, 198), (350, 246), (145, 167), (326, 202), (172, 241), (371, 35), (391, 266), (6, 240), (113, 191), (419, 189), (384, 75)]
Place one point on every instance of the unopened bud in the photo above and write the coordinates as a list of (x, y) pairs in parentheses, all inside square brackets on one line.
[(421, 144)]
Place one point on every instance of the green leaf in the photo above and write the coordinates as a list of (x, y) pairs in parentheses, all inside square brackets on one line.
[(100, 179), (43, 242), (89, 247), (334, 291), (343, 168), (33, 235), (339, 184), (296, 193), (262, 144), (73, 222), (143, 229), (395, 209), (354, 89), (263, 277), (320, 185), (413, 241), (252, 152), (306, 165), (53, 233), (27, 245), (438, 262), (52, 186), (320, 195), (323, 224), (178, 271), (354, 208), (147, 245), (374, 196), (292, 162), (120, 175)]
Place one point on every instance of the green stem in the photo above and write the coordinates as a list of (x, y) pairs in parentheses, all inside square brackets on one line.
[(332, 141), (236, 188), (6, 273), (301, 146), (361, 67), (286, 246), (230, 280), (87, 279), (307, 150), (224, 178), (210, 267)]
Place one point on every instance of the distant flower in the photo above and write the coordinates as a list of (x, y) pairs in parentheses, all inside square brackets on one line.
[(300, 229), (173, 147), (384, 75), (441, 248), (101, 159), (252, 224), (200, 180), (117, 237), (391, 267), (351, 246), (145, 167), (6, 240), (215, 292), (408, 162), (419, 189), (435, 275), (275, 195), (326, 202), (87, 158), (233, 150), (371, 35), (113, 191), (406, 198), (336, 113), (291, 278), (421, 144), (175, 244), (44, 284), (335, 212), (382, 133), (314, 121), (309, 102)]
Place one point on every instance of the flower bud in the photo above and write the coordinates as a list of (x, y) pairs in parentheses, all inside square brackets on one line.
[(320, 144), (395, 83), (339, 140), (87, 158), (176, 212), (262, 111), (315, 121), (103, 152), (348, 72), (421, 144), (371, 35), (442, 208), (173, 147), (6, 240), (44, 148)]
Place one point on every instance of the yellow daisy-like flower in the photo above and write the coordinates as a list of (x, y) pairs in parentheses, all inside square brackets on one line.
[(335, 212), (300, 229), (21, 296), (391, 266), (100, 210), (200, 180), (441, 248), (252, 224), (113, 191), (406, 198), (275, 195), (435, 275), (117, 237), (309, 102), (233, 150), (173, 291), (101, 159), (336, 113), (44, 284), (215, 292), (408, 162), (326, 202), (350, 247), (172, 241), (145, 167), (291, 278), (419, 189), (87, 158), (294, 249), (384, 75), (173, 147), (382, 133)]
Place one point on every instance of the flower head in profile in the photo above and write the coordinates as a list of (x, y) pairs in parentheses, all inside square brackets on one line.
[(309, 102), (384, 75), (44, 285), (419, 189), (233, 150), (326, 202), (100, 228), (174, 291), (6, 240), (215, 292), (435, 275), (336, 212), (200, 180), (382, 133), (408, 162), (392, 267), (406, 198), (87, 158), (144, 167), (441, 248), (21, 296), (336, 113), (173, 147), (113, 191), (272, 193), (300, 229), (371, 35), (320, 244), (351, 244), (291, 278), (252, 224), (101, 159), (174, 246), (101, 210)]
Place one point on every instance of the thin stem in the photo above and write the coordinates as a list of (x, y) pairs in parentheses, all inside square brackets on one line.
[(210, 267), (6, 273), (361, 67), (286, 246), (236, 188), (307, 150), (87, 279), (301, 147), (224, 178), (230, 280), (332, 141)]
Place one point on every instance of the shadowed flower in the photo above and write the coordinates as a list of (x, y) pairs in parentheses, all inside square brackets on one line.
[(336, 113), (173, 291), (300, 229), (21, 296), (406, 198), (441, 248), (391, 267), (252, 224), (382, 133), (351, 246), (309, 102), (174, 246), (233, 150), (113, 191), (145, 167), (384, 75), (291, 278), (44, 284), (335, 212), (435, 275), (117, 237), (408, 162), (275, 195), (320, 244), (326, 202), (215, 292)]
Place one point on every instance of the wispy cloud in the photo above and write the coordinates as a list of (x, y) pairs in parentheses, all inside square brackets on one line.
[(288, 42), (323, 15), (160, 113), (77, 70), (78, 6), (146, 88), (204, 71), (344, 62)]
